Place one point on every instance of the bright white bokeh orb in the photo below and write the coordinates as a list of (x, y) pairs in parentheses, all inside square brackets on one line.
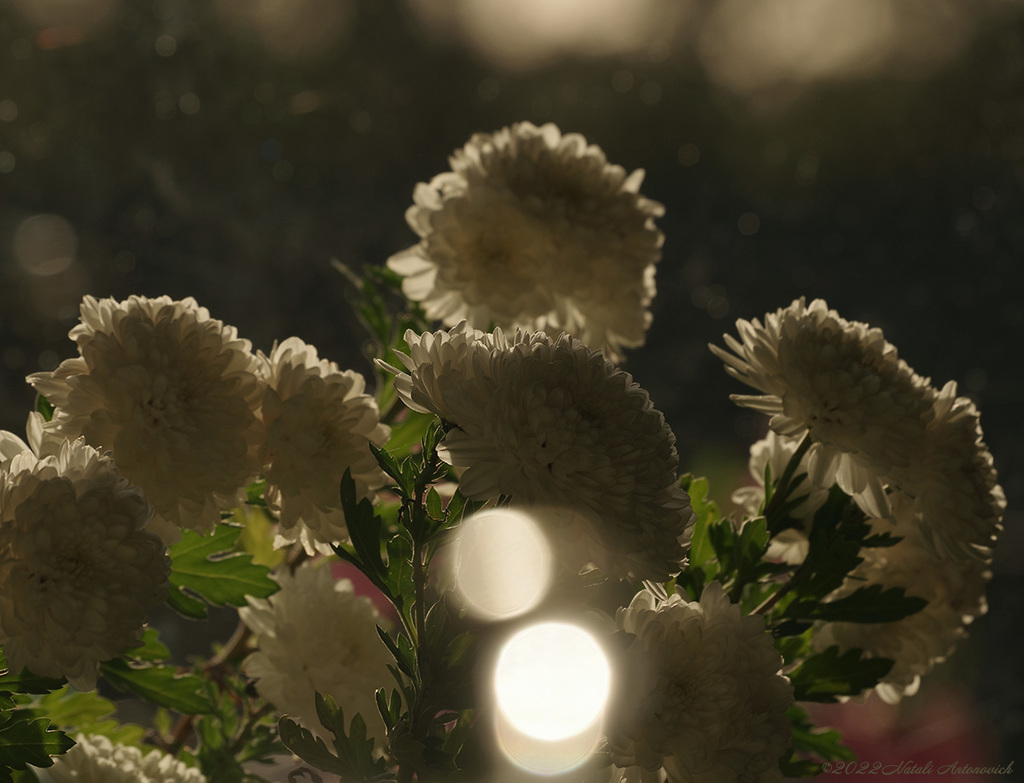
[(502, 564), (552, 681)]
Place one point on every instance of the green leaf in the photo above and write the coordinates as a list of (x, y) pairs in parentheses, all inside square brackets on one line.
[(703, 566), (399, 574), (393, 467), (254, 493), (26, 681), (257, 536), (44, 407), (151, 649), (809, 740), (355, 751), (308, 747), (209, 567), (871, 604), (26, 739), (825, 676), (409, 431), (435, 508), (160, 685), (365, 529), (406, 662), (88, 713)]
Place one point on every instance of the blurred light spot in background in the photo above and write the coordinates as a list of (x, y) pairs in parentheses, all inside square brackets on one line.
[(8, 110), (749, 47), (531, 33), (64, 22), (291, 30), (502, 564), (45, 245), (551, 682)]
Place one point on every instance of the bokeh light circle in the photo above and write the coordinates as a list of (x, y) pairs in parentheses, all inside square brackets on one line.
[(502, 564), (552, 681)]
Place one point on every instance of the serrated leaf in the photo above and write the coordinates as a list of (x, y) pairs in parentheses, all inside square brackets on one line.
[(879, 540), (824, 744), (828, 674), (871, 604), (25, 681), (160, 685), (308, 747), (211, 568), (405, 665), (364, 528), (393, 467), (708, 515), (88, 713), (151, 649), (26, 739)]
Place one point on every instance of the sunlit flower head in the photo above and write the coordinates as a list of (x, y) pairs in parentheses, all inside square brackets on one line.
[(316, 634), (773, 452), (955, 483), (841, 383), (551, 423), (95, 759), (172, 393), (78, 571), (319, 423), (536, 229), (955, 592), (702, 696)]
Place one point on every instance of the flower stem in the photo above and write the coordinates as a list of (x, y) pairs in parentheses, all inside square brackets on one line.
[(771, 601)]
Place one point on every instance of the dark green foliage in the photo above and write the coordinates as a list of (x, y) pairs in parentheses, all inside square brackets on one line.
[(210, 568), (827, 675)]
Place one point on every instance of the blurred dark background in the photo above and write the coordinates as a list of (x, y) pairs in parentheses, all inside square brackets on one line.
[(869, 153)]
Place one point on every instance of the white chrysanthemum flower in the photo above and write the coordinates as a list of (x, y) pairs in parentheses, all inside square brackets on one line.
[(702, 695), (954, 481), (774, 451), (551, 423), (315, 634), (173, 394), (319, 423), (841, 383), (955, 592), (78, 571), (95, 759), (536, 229)]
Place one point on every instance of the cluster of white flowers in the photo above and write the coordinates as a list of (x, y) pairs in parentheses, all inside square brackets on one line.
[(875, 425), (166, 415), (550, 423), (95, 759), (316, 634), (911, 455), (172, 393), (318, 422), (78, 569), (532, 228), (191, 415), (702, 697)]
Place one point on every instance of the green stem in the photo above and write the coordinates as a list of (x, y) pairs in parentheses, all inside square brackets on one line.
[(771, 601)]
